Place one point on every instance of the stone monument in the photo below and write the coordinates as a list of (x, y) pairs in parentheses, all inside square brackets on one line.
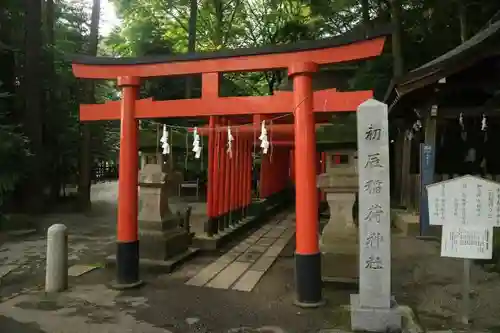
[(373, 309), (339, 237), (162, 234)]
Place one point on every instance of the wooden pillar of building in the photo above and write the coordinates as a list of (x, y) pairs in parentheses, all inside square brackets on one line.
[(307, 255), (247, 177), (241, 176), (219, 181), (406, 172), (233, 159), (212, 169), (323, 170), (273, 179), (397, 181), (210, 90), (224, 178), (236, 184), (263, 185), (127, 252)]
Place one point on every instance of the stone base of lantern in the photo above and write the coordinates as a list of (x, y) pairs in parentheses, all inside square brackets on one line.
[(162, 246), (159, 245), (339, 244), (367, 319), (159, 266)]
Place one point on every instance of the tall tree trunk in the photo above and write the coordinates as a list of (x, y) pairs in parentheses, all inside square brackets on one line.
[(86, 143), (462, 16), (33, 114), (365, 11), (219, 22), (51, 86), (397, 38), (193, 17), (7, 59)]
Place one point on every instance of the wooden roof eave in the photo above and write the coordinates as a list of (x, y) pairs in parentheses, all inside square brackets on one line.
[(481, 46), (345, 39), (349, 47)]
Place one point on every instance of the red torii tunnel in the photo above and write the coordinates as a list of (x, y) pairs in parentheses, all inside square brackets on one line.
[(301, 60), (277, 167)]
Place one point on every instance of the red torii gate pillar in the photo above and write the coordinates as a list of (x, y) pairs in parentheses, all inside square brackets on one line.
[(127, 251), (307, 255), (301, 62)]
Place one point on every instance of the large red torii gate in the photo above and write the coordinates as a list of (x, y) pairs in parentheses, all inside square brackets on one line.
[(301, 60)]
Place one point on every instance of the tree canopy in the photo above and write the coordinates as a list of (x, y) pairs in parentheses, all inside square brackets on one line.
[(43, 146)]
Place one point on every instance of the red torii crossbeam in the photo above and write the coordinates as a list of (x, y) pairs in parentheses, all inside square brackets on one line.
[(328, 100), (301, 60)]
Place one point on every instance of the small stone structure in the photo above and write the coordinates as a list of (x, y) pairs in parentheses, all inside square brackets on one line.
[(147, 157), (56, 271), (162, 234), (339, 238)]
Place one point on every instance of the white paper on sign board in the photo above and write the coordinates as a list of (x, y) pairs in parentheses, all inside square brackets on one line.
[(464, 200), (442, 200), (467, 241)]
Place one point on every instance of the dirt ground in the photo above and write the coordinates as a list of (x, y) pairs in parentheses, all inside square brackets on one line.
[(421, 279), (432, 286)]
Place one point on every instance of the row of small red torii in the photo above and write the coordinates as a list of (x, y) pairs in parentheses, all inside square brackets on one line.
[(303, 103), (229, 193)]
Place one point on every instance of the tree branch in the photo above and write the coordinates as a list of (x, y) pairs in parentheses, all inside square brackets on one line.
[(230, 22)]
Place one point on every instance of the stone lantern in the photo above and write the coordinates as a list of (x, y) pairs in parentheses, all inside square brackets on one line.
[(162, 234), (339, 237)]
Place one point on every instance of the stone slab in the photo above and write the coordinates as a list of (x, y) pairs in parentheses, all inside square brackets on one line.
[(6, 269), (226, 278), (257, 248), (282, 242), (274, 251), (163, 245), (374, 319), (159, 266), (248, 281), (407, 223), (240, 248), (259, 233), (208, 272), (229, 257), (249, 257), (338, 267), (264, 241), (288, 234), (21, 232), (214, 242), (79, 270), (263, 264), (275, 233)]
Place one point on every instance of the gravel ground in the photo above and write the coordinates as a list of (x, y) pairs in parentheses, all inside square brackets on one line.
[(421, 279), (433, 286)]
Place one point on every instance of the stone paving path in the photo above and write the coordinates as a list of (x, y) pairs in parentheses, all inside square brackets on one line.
[(242, 267)]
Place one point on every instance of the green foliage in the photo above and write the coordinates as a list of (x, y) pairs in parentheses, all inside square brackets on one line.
[(13, 150), (430, 28), (61, 126)]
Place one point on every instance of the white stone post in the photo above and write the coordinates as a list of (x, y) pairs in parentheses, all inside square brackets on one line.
[(373, 309), (56, 272)]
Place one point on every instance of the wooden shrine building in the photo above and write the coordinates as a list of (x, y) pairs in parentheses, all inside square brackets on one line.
[(450, 104), (229, 165)]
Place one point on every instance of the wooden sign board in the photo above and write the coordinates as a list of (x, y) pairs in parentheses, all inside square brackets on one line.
[(468, 208), (468, 241), (464, 200)]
